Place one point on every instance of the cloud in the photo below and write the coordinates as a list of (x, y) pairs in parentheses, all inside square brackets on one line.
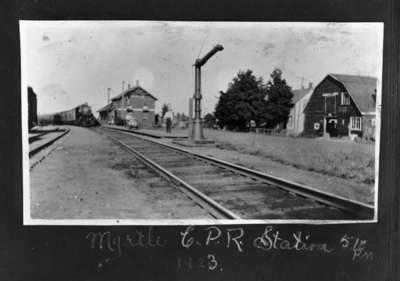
[(236, 41), (72, 40), (267, 48), (171, 29), (55, 45), (316, 37), (345, 32), (54, 90)]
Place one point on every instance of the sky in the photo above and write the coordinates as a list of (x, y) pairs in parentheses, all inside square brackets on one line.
[(71, 62)]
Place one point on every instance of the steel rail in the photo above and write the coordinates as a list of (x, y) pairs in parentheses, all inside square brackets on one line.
[(43, 146), (360, 209), (36, 137), (214, 208)]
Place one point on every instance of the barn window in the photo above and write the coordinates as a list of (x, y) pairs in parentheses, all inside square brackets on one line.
[(355, 123), (345, 98)]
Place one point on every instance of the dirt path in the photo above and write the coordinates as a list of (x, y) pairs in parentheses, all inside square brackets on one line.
[(88, 177)]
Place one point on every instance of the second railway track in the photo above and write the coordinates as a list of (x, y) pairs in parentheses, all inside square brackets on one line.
[(229, 191)]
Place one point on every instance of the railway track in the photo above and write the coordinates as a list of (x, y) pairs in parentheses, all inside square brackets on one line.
[(229, 191), (34, 150)]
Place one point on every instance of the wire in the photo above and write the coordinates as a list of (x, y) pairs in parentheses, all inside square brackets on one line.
[(202, 45)]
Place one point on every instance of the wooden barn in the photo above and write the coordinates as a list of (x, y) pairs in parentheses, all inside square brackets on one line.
[(133, 103), (342, 106)]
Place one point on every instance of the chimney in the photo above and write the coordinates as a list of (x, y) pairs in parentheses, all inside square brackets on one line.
[(123, 86), (137, 83)]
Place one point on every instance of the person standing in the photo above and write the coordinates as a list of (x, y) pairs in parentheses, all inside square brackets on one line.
[(168, 120)]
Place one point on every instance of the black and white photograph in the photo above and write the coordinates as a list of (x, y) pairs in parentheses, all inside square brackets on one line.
[(173, 122)]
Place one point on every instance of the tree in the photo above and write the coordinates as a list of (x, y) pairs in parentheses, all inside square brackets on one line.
[(279, 100), (243, 101), (247, 98), (181, 116), (209, 120), (164, 109), (184, 117)]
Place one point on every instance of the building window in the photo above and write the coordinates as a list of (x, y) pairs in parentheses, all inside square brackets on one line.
[(345, 99), (355, 123), (145, 115), (373, 122)]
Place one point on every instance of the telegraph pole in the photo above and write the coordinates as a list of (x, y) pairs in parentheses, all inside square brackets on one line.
[(197, 127)]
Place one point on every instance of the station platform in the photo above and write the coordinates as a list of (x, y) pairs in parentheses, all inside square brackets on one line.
[(154, 133)]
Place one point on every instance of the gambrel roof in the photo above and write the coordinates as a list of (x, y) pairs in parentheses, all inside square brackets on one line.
[(361, 89)]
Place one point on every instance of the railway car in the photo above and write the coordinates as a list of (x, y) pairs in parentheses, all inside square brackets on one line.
[(57, 119), (45, 119), (80, 115)]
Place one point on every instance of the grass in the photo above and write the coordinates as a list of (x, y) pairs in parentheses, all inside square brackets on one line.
[(344, 159)]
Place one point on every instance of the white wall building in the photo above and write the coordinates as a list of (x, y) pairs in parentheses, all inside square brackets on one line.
[(295, 124)]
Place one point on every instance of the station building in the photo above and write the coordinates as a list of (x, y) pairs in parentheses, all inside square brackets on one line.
[(133, 103), (342, 106)]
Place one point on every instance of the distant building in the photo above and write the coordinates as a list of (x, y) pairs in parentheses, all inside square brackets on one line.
[(342, 105), (295, 124), (135, 102), (32, 109)]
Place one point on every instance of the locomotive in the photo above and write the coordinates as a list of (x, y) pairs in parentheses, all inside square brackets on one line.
[(80, 115)]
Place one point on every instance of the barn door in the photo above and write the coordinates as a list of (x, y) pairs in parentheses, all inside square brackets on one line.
[(331, 127)]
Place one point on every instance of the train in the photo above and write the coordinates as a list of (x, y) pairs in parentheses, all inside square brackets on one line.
[(80, 115)]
